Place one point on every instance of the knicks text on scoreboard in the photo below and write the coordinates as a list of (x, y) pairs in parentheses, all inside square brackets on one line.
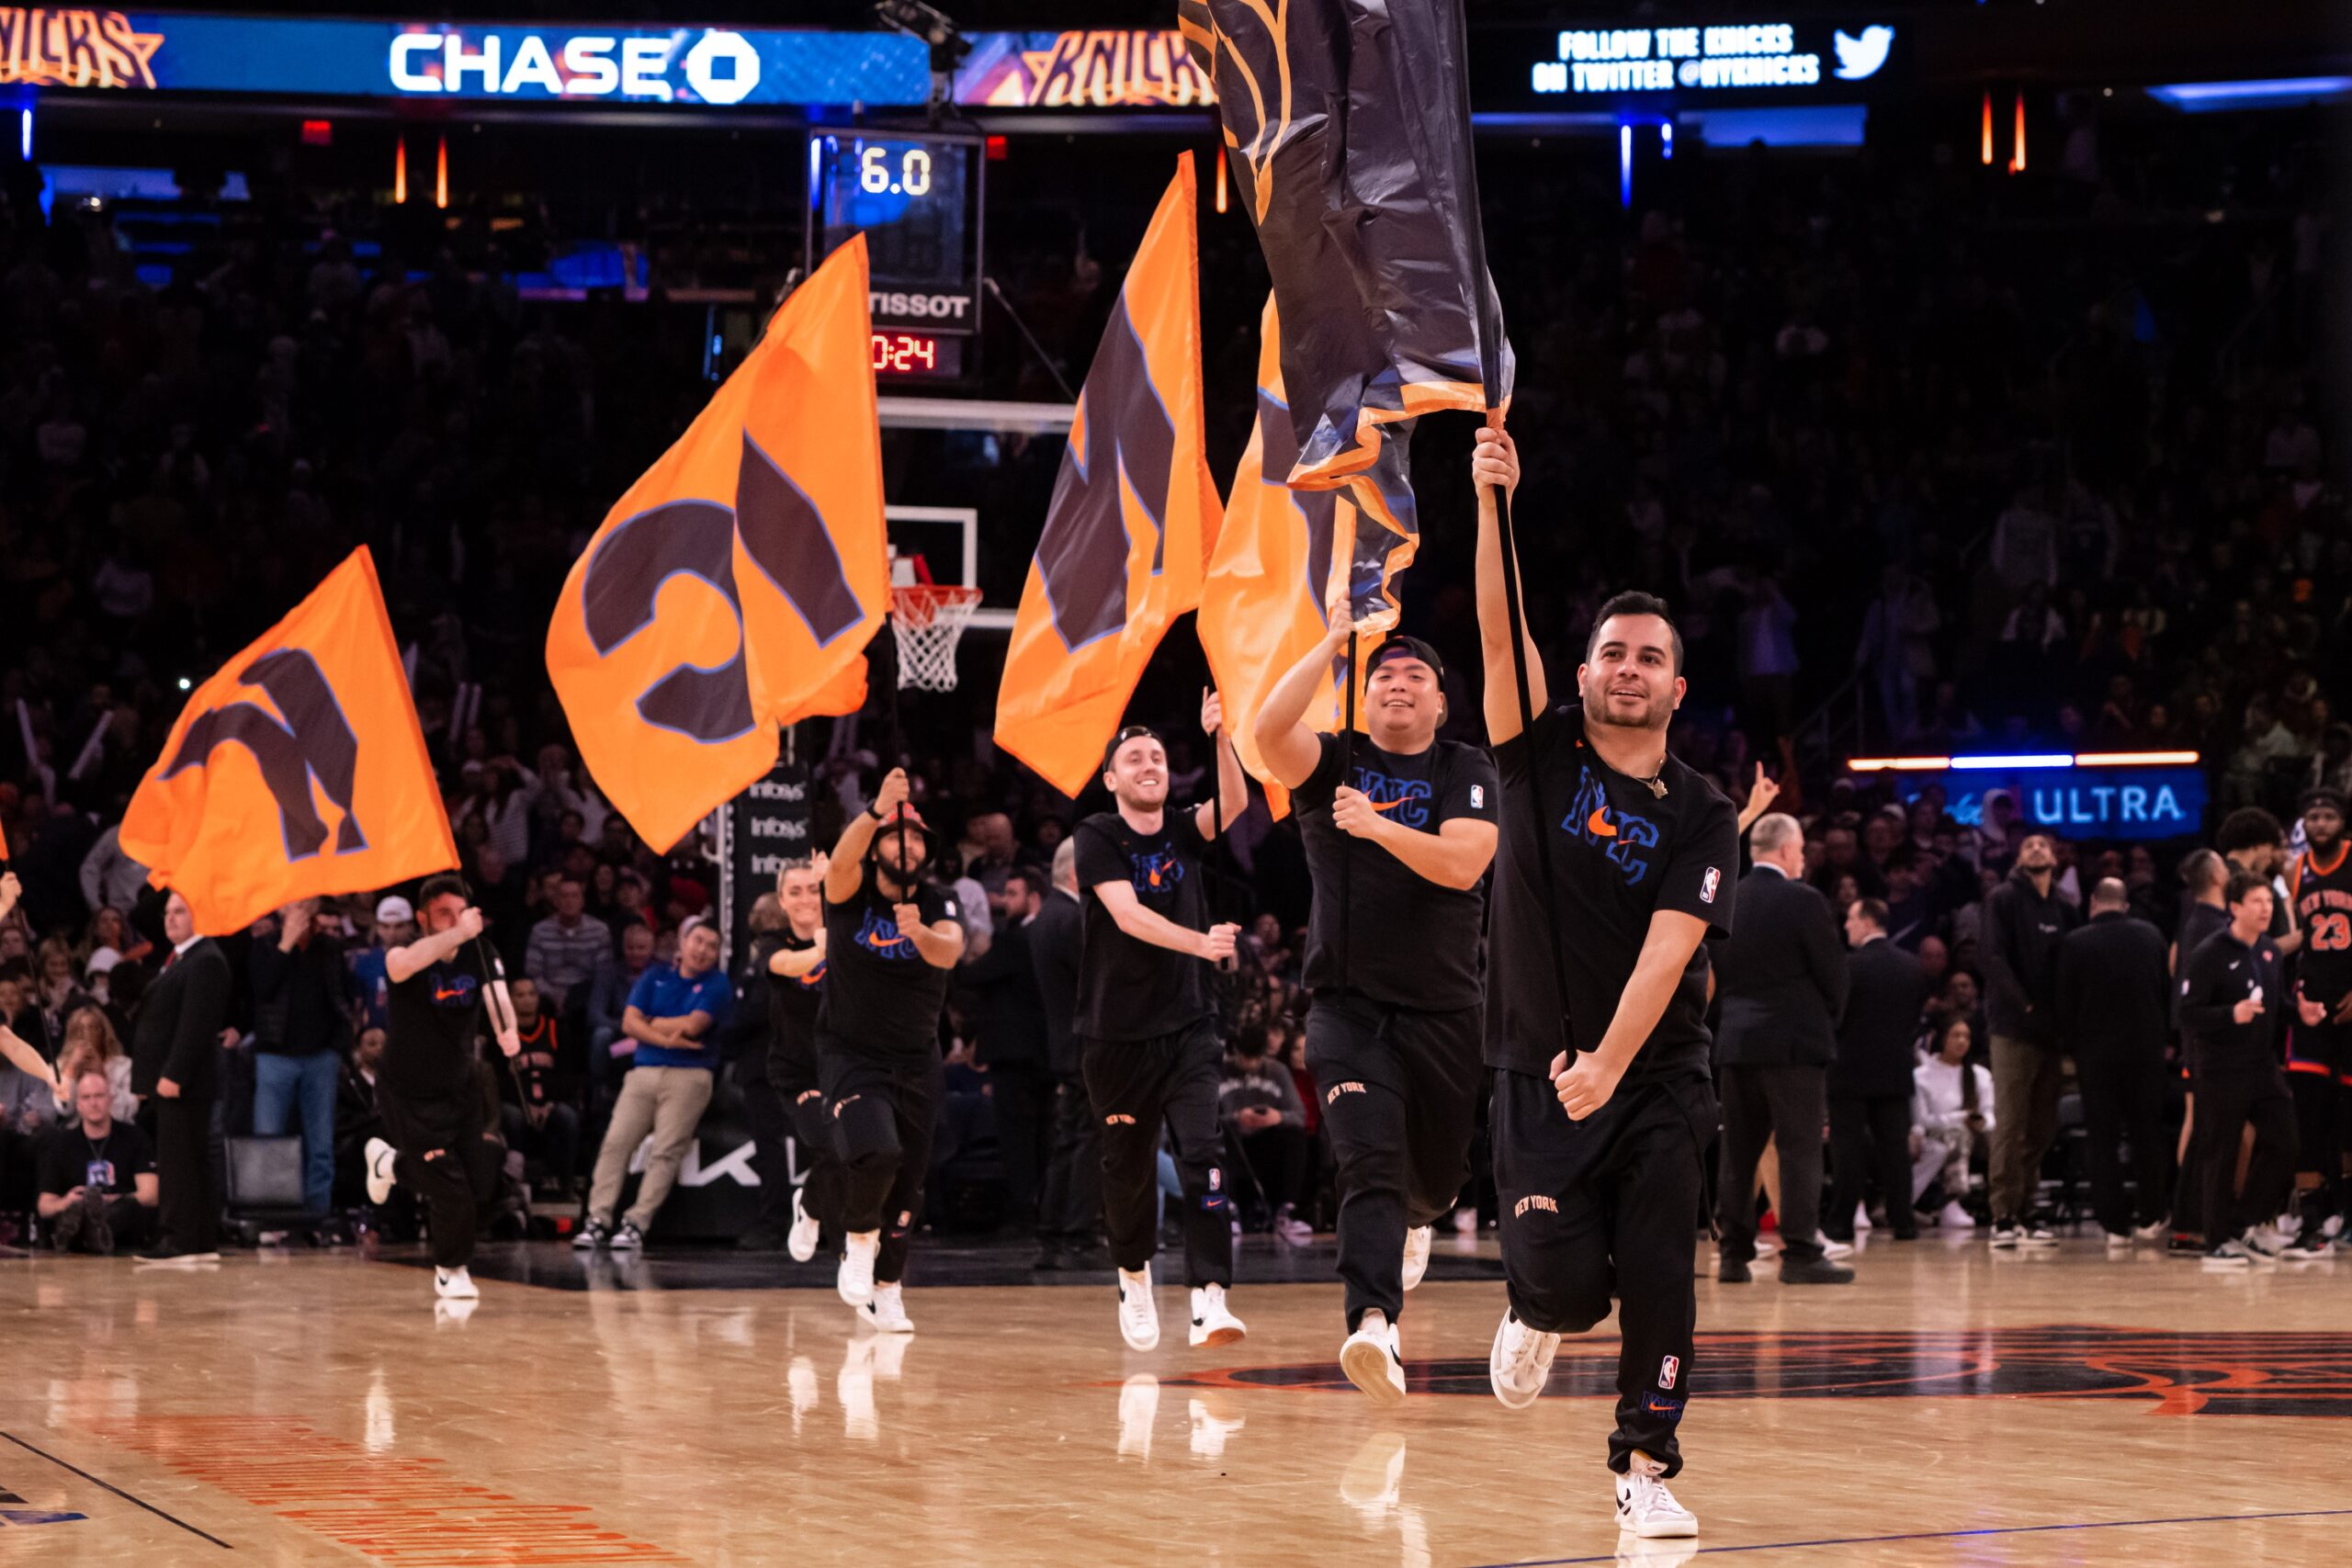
[(1094, 68)]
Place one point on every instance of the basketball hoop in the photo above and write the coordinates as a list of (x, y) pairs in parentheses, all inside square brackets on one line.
[(928, 619)]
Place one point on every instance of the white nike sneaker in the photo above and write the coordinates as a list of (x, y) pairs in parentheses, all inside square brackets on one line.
[(380, 1155), (855, 1279), (1416, 1254), (801, 1242), (1833, 1249), (1372, 1359), (1954, 1217), (2155, 1233), (1861, 1217), (1139, 1313), (885, 1311), (1646, 1508), (1521, 1362), (455, 1285), (1213, 1322)]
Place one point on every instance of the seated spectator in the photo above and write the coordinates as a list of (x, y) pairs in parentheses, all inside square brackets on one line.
[(356, 1119), (1260, 1106), (539, 1091), (96, 1175), (568, 951), (92, 1046), (671, 1012), (1952, 1110)]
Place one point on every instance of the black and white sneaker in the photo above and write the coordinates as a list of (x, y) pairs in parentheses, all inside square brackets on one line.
[(594, 1236), (1372, 1359), (2229, 1255), (2007, 1236), (2309, 1246), (1645, 1506), (628, 1238), (2038, 1238)]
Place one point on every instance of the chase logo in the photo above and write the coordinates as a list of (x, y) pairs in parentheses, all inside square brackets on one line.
[(1404, 802), (1158, 873), (1626, 839), (1861, 57), (712, 66), (880, 936)]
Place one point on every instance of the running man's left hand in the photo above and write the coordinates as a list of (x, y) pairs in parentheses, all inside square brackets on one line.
[(1585, 1085), (1353, 814)]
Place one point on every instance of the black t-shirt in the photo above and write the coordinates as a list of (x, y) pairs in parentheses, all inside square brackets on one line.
[(793, 1003), (1619, 855), (70, 1157), (880, 998), (437, 1017), (1411, 943), (1129, 989)]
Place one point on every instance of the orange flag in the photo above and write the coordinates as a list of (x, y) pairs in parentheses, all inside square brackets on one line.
[(735, 587), (1282, 554), (297, 771), (1134, 514)]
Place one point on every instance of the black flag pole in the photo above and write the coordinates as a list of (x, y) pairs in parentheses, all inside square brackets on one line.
[(1347, 773)]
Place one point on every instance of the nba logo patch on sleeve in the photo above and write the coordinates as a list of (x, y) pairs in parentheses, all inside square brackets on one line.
[(1668, 1370), (1477, 797), (1707, 885)]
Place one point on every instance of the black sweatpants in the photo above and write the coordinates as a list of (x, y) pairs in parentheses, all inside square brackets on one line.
[(1070, 1200), (2319, 1075), (1134, 1086), (447, 1157), (2123, 1101), (1784, 1105), (2226, 1102), (1400, 1100), (187, 1184), (1609, 1205), (885, 1115), (792, 1073), (1022, 1092), (1869, 1135)]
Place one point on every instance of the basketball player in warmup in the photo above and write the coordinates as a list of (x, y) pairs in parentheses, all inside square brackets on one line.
[(2319, 1055), (795, 968), (442, 1147), (1397, 849), (890, 939), (1147, 1036), (1598, 1148)]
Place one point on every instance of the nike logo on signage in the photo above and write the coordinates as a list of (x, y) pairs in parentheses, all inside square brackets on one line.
[(1598, 823)]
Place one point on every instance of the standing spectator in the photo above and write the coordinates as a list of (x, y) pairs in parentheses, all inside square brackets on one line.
[(110, 879), (2205, 877), (1069, 1204), (2113, 996), (299, 1030), (395, 926), (745, 1042), (671, 1013), (97, 1176), (1012, 1043), (175, 1057), (1870, 1085), (539, 1091), (1260, 1106), (1952, 1108), (570, 950), (1781, 980), (2025, 918)]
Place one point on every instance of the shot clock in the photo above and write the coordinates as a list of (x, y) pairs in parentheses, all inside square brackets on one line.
[(916, 197)]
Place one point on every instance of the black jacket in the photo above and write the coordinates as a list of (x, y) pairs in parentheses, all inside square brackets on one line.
[(298, 997), (1053, 939), (1886, 993), (1010, 1015), (1781, 976), (2114, 989), (2019, 953), (177, 1032)]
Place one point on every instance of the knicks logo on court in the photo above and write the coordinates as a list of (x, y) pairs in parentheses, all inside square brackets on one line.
[(1534, 1203), (1625, 839)]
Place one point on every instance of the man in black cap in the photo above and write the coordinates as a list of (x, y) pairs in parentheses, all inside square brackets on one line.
[(1399, 829)]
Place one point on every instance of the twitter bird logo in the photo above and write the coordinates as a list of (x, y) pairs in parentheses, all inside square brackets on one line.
[(1860, 57)]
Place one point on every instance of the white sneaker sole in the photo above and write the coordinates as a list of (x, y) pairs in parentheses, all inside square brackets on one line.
[(1659, 1530), (1367, 1364), (1134, 1342), (381, 1181), (1223, 1335)]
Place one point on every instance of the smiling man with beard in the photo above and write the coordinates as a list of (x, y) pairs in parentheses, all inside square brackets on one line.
[(1604, 889)]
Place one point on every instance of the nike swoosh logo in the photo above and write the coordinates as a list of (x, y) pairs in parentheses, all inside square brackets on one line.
[(1598, 823), (1386, 805)]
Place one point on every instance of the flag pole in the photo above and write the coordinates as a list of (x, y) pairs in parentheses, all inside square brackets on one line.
[(1347, 773)]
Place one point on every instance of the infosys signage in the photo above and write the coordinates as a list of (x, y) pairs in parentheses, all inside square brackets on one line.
[(1770, 58)]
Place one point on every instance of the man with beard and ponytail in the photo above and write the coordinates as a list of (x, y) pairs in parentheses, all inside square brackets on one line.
[(1401, 823), (1147, 1036), (890, 939), (795, 961), (2319, 1055), (1607, 880)]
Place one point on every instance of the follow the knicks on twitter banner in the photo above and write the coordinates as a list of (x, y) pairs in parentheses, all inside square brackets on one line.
[(1772, 59)]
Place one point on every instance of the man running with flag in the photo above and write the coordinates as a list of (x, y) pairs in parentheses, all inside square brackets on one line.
[(1399, 829)]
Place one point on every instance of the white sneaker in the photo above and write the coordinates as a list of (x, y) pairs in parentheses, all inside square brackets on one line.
[(1863, 1217), (1954, 1217), (380, 1155), (1521, 1362), (1417, 1254), (455, 1285), (855, 1279), (802, 1243), (1833, 1248), (1213, 1322), (2155, 1233), (1646, 1508), (2038, 1238), (1139, 1313), (885, 1312), (2268, 1241), (1372, 1359), (2229, 1255), (2119, 1243)]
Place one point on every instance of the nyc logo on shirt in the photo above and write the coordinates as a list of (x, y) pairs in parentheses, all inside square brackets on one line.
[(1403, 801), (1156, 872), (453, 990), (880, 936), (1625, 839)]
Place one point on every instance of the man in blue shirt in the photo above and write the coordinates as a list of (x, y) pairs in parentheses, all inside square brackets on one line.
[(673, 1013)]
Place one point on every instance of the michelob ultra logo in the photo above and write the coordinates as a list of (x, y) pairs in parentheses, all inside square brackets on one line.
[(73, 46)]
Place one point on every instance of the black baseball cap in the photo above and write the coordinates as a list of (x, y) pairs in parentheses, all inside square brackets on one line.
[(2326, 794), (1396, 645), (1132, 732)]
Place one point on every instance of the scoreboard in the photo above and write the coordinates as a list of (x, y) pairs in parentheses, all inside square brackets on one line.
[(916, 196)]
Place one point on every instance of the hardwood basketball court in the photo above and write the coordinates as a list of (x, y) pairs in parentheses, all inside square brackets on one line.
[(1954, 1407)]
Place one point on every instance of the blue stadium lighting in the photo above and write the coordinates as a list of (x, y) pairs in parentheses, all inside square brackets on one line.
[(24, 135), (1665, 140), (2282, 91), (2024, 761), (1624, 165)]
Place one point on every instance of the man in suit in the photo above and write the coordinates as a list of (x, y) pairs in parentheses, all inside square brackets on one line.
[(1869, 1083), (2114, 1007), (1782, 982), (1012, 1014), (1069, 1204), (175, 1061)]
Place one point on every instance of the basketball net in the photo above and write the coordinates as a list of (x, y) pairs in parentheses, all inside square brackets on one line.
[(928, 619)]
